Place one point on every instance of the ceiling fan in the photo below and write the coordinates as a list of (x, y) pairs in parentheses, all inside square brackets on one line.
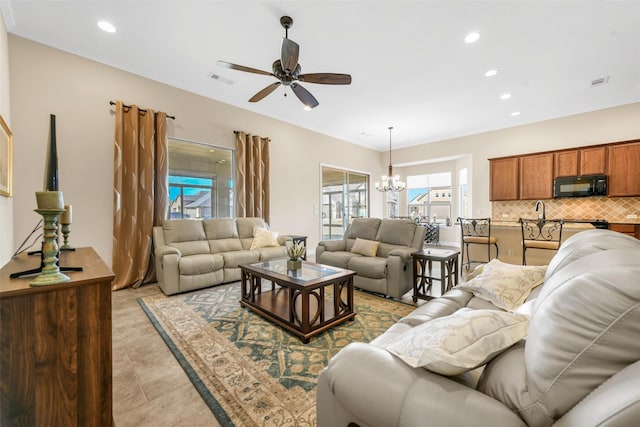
[(287, 71)]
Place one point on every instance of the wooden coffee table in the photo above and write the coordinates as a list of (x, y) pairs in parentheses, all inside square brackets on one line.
[(305, 302)]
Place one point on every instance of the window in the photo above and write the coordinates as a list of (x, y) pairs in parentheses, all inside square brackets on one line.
[(429, 196), (464, 194), (200, 180), (345, 195)]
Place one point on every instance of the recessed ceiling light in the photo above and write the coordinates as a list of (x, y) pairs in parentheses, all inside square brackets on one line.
[(491, 73), (106, 26), (505, 96), (515, 113), (472, 37)]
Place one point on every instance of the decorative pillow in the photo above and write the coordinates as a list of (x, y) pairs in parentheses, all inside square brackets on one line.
[(264, 238), (460, 342), (365, 247), (257, 227), (507, 286)]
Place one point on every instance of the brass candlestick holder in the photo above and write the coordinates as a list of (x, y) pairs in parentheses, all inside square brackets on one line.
[(66, 229), (65, 226), (50, 274)]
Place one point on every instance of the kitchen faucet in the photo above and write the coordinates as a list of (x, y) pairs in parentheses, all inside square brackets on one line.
[(538, 204)]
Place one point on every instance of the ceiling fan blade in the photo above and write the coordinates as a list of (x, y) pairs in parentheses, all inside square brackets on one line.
[(243, 68), (289, 54), (264, 92), (326, 78), (303, 95)]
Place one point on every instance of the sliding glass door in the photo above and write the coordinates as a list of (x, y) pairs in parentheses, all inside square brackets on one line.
[(345, 196)]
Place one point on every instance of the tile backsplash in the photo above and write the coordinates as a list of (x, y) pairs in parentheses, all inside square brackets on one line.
[(614, 209)]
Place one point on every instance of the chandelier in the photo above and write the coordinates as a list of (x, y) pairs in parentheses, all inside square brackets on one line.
[(390, 182)]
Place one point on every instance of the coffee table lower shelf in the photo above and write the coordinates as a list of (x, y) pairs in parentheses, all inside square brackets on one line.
[(303, 308)]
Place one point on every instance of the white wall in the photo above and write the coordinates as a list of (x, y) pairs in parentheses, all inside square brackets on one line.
[(597, 127), (6, 203), (77, 90)]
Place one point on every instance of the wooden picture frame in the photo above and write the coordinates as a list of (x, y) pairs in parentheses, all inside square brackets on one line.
[(6, 159)]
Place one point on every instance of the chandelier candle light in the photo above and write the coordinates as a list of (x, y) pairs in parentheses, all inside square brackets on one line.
[(390, 182)]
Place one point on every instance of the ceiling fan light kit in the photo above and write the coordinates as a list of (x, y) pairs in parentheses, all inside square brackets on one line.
[(287, 71), (390, 182)]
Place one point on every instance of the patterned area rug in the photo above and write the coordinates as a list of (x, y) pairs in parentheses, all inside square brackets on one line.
[(248, 370)]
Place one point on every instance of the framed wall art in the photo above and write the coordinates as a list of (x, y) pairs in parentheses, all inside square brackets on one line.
[(6, 159)]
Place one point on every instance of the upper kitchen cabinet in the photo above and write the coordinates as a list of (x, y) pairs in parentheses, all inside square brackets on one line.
[(624, 169), (586, 161), (567, 163), (536, 176), (503, 183), (593, 161)]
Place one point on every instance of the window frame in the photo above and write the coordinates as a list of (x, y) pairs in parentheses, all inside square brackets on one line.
[(216, 180)]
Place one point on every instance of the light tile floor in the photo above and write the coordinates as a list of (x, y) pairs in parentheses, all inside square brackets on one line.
[(150, 388)]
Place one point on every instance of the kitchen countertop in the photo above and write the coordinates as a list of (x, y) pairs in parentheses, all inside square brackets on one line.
[(576, 225)]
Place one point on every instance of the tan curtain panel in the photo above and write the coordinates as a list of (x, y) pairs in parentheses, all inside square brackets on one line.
[(252, 176), (140, 192)]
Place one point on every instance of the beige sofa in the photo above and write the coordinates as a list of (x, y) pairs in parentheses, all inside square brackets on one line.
[(579, 365), (388, 269), (193, 254)]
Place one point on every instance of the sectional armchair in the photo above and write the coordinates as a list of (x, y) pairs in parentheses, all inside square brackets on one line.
[(569, 356)]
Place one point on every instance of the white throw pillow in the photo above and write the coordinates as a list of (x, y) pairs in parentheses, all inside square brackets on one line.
[(460, 342), (264, 238), (507, 286)]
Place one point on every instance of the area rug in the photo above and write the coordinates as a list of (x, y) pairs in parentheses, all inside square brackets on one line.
[(248, 370)]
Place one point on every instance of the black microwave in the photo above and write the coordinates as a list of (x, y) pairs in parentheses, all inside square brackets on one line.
[(580, 186)]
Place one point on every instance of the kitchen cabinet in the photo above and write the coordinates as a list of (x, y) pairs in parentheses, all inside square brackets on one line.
[(503, 184), (566, 163), (585, 161), (632, 230), (593, 161), (624, 170), (536, 176)]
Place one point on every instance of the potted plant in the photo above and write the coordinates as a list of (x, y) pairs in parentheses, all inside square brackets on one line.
[(295, 251)]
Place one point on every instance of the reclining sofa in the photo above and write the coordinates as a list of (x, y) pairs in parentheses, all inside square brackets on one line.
[(193, 253), (579, 366), (379, 251)]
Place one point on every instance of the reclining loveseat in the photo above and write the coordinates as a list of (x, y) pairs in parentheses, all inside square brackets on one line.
[(379, 251)]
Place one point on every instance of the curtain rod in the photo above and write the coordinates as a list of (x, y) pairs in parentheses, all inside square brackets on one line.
[(140, 109)]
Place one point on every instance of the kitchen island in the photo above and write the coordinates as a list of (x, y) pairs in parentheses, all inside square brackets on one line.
[(509, 235)]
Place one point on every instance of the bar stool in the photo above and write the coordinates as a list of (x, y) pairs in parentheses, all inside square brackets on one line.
[(540, 234), (477, 231)]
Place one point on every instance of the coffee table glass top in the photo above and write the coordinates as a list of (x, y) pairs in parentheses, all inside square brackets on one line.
[(309, 271)]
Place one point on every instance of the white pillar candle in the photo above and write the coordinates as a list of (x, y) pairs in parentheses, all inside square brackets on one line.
[(49, 200), (66, 215)]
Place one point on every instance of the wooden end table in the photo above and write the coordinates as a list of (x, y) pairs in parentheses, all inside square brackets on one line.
[(300, 303), (422, 270)]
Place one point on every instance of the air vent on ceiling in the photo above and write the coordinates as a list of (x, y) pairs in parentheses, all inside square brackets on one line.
[(221, 79), (599, 82)]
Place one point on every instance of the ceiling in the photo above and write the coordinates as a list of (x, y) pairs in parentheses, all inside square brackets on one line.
[(410, 66)]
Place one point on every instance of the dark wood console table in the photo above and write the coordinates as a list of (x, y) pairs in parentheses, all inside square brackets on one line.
[(55, 345)]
